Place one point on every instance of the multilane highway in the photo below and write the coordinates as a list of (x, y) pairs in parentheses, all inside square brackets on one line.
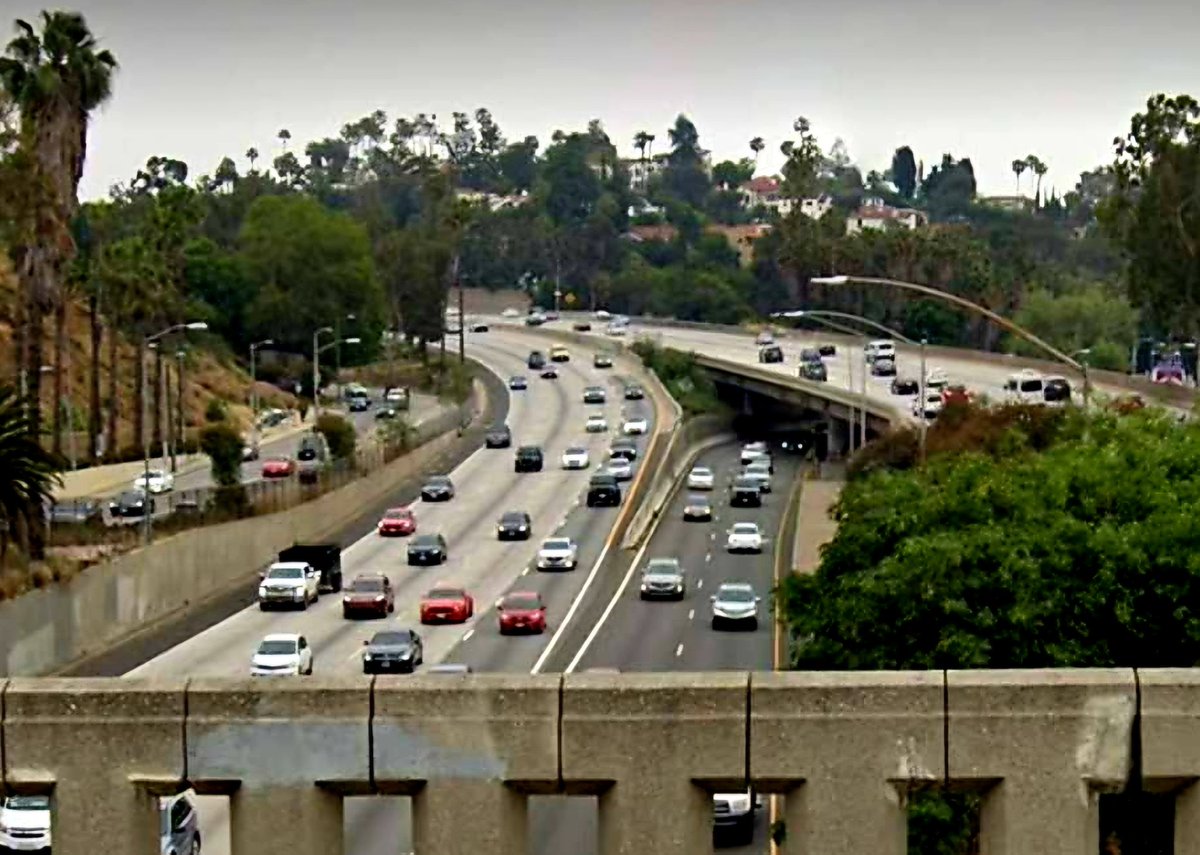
[(550, 414)]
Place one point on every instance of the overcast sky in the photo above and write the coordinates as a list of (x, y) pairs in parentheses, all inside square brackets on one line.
[(989, 80)]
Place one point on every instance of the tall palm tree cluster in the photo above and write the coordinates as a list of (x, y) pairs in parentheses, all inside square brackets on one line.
[(55, 79), (1035, 165)]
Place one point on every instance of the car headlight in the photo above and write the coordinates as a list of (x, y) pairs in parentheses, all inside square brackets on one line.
[(645, 587), (3, 828), (521, 528), (298, 593), (406, 654), (262, 591), (366, 657)]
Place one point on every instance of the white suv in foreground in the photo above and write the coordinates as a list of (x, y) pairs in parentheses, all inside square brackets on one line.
[(744, 537), (288, 584), (735, 603), (700, 478), (25, 824)]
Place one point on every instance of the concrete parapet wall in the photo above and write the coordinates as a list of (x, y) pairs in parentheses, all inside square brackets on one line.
[(51, 627), (842, 750)]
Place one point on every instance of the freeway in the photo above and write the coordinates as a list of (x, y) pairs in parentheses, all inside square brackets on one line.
[(550, 414), (640, 635)]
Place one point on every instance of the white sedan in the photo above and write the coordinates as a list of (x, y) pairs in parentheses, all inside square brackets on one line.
[(744, 537), (620, 468), (635, 425), (576, 457), (155, 481), (282, 654), (701, 478), (596, 424), (557, 553)]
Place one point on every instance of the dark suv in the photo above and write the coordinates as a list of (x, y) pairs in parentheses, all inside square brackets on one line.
[(746, 493), (603, 491), (514, 525), (311, 457), (498, 437), (536, 360), (770, 353), (529, 459), (427, 549), (813, 371)]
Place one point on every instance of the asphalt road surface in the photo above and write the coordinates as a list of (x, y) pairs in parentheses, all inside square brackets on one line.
[(551, 414), (657, 635)]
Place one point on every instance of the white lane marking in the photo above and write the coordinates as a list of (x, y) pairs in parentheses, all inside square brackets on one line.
[(707, 557), (712, 536), (679, 650), (612, 604), (699, 583), (525, 572), (467, 635), (691, 614), (357, 654)]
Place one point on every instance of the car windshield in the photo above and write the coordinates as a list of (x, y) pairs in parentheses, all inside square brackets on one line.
[(425, 540), (516, 379), (522, 601), (595, 389), (278, 460), (131, 498), (513, 518), (745, 528), (154, 473), (596, 419), (662, 565), (277, 647), (697, 500), (390, 638), (701, 472), (438, 481), (500, 429), (1031, 385), (445, 594), (576, 450), (27, 803), (366, 585), (398, 514), (557, 543), (736, 595), (285, 573)]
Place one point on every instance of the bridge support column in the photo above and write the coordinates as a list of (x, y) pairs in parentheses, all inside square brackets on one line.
[(654, 783), (838, 433), (845, 776), (286, 758), (104, 750), (469, 754)]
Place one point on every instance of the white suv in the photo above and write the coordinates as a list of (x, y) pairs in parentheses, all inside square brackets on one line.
[(282, 654), (735, 603), (25, 824), (752, 451), (744, 537), (287, 584), (576, 457), (700, 478), (634, 425), (557, 553)]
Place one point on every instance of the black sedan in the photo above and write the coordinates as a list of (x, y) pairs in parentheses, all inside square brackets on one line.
[(634, 393), (498, 437), (602, 360), (698, 509), (427, 549), (827, 350), (479, 327), (905, 386), (814, 371), (594, 395), (394, 651), (131, 504), (582, 326), (438, 488), (549, 373), (514, 525)]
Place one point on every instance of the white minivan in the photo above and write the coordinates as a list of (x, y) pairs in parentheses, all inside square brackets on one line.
[(881, 349), (1025, 387)]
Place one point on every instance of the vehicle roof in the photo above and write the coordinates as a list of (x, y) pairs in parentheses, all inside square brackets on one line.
[(445, 591), (282, 636), (674, 562), (596, 416), (550, 540), (290, 565), (745, 526), (385, 635), (735, 586), (438, 478), (575, 449), (514, 515), (404, 510), (517, 595)]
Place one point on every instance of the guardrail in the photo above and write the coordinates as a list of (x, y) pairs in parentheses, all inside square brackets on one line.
[(844, 751)]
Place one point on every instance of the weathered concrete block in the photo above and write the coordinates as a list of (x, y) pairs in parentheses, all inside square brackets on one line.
[(104, 749), (654, 746), (1044, 744), (1170, 731), (483, 741), (287, 749), (846, 748)]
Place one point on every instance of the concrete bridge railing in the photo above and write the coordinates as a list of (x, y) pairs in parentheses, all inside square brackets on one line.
[(843, 750)]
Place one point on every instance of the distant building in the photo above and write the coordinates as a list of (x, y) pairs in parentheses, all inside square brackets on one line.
[(765, 191), (874, 214), (1008, 203), (641, 171), (816, 208), (494, 201)]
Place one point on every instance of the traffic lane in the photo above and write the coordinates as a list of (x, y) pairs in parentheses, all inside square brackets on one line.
[(481, 482)]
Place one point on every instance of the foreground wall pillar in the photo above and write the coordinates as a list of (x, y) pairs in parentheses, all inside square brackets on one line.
[(469, 752), (654, 746), (285, 752), (1042, 745), (103, 749), (1170, 732), (846, 749)]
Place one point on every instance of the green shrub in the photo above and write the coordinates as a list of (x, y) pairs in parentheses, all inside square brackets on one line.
[(223, 445), (339, 433), (215, 411)]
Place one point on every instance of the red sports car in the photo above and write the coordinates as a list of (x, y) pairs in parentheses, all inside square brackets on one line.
[(522, 611), (957, 394), (369, 593), (398, 521), (447, 605), (278, 467)]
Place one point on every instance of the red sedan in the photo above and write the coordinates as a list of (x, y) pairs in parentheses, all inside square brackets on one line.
[(398, 521), (522, 611), (957, 394), (447, 605), (369, 594), (278, 467)]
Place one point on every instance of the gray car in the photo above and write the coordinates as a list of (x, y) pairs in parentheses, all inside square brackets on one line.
[(179, 826), (393, 651), (663, 577), (735, 603)]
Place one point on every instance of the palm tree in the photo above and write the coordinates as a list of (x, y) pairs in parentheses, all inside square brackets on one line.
[(30, 474), (252, 155), (640, 140), (284, 135), (1018, 166), (56, 79), (1039, 169), (756, 146)]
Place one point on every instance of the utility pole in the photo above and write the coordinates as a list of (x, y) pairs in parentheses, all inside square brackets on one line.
[(182, 436), (462, 318)]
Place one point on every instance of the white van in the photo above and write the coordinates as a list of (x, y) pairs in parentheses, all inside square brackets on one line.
[(1025, 387), (881, 349)]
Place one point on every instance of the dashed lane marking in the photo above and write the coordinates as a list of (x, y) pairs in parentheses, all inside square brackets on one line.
[(679, 650), (691, 614), (467, 635)]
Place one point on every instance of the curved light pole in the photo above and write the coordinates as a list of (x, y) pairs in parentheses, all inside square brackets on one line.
[(254, 349), (999, 320), (820, 315), (318, 349), (148, 511)]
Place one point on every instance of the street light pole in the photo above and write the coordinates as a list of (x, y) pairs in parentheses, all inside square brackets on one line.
[(181, 435), (147, 342), (254, 347), (1087, 386), (316, 371)]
